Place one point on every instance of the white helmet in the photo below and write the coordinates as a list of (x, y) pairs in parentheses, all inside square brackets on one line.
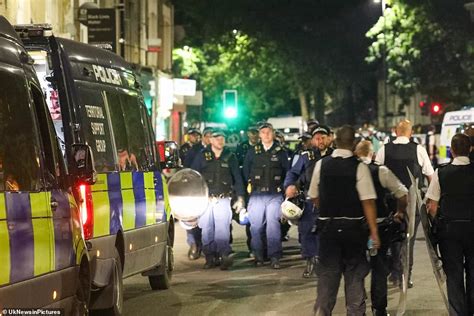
[(244, 217), (188, 195), (292, 209)]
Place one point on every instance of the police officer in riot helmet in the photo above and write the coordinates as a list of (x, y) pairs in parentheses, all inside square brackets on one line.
[(194, 136), (298, 179), (243, 147), (397, 155), (343, 191), (450, 200), (219, 167), (389, 218), (264, 168)]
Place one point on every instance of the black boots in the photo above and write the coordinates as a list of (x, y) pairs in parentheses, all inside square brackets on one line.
[(310, 270), (194, 252)]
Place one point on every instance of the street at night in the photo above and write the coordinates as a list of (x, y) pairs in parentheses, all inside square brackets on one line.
[(246, 290), (237, 157)]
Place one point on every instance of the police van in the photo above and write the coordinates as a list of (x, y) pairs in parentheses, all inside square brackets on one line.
[(43, 256), (453, 122), (94, 98)]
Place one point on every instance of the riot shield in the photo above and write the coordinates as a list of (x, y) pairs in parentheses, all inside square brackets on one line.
[(188, 195), (431, 244), (405, 249)]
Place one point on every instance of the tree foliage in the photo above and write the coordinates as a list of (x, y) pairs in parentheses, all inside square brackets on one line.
[(237, 61), (426, 49), (316, 48)]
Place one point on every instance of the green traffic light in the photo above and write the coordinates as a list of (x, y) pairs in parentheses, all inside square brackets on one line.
[(230, 101), (230, 112)]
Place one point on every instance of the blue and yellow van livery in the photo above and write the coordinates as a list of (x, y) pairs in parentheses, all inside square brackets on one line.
[(95, 99), (41, 238)]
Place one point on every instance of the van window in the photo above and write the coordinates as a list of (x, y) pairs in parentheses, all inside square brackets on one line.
[(120, 131), (19, 148), (44, 72), (95, 127), (53, 159), (150, 136), (136, 128)]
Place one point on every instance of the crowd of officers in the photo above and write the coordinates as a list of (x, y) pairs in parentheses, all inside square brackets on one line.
[(352, 199)]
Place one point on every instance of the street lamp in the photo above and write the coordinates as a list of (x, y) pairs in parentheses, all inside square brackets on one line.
[(384, 64)]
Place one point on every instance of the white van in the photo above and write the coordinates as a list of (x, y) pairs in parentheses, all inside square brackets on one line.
[(453, 122), (292, 126)]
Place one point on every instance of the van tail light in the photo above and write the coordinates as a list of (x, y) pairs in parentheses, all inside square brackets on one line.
[(160, 146), (86, 208)]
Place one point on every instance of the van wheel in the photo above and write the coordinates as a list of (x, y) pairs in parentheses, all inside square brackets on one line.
[(117, 307), (163, 282), (81, 304)]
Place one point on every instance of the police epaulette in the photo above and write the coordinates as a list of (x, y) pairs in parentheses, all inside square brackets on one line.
[(277, 149), (258, 149), (208, 155)]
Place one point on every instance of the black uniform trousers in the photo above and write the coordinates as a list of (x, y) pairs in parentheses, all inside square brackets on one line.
[(342, 252), (380, 268), (456, 244)]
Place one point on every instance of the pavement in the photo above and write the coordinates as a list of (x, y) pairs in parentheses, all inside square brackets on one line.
[(246, 290)]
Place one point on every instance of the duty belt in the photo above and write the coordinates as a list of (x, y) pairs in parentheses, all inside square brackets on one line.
[(267, 189), (348, 218)]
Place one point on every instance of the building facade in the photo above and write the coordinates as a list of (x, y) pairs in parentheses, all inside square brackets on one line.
[(144, 37)]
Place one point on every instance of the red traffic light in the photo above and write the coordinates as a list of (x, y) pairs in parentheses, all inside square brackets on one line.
[(422, 104), (435, 108)]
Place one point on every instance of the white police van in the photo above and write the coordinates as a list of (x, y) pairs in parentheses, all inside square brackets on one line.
[(453, 122)]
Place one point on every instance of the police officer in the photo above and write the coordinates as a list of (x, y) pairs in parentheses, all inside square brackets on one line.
[(280, 137), (193, 236), (397, 155), (342, 189), (193, 138), (220, 169), (299, 178), (452, 189), (198, 147), (243, 147), (387, 186), (323, 140), (264, 168)]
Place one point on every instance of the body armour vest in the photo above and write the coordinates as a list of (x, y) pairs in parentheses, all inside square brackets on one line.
[(457, 191), (384, 208), (217, 172), (308, 173), (400, 156), (267, 172), (337, 188)]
